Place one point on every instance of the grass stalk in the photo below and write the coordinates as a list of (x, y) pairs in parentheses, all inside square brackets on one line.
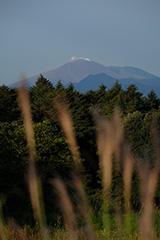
[(67, 209), (109, 136), (67, 126), (127, 180), (84, 207), (18, 232), (2, 228), (66, 123), (149, 180), (33, 180)]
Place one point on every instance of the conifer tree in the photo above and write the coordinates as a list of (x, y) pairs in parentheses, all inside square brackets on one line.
[(41, 98)]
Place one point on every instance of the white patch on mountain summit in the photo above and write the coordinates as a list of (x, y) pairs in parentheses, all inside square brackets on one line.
[(78, 58)]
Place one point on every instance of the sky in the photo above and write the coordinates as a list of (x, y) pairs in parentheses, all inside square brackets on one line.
[(37, 36)]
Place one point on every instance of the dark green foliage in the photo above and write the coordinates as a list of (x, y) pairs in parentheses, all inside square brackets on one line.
[(134, 123), (101, 94), (135, 191), (134, 100), (152, 102), (13, 165), (13, 150), (117, 186), (9, 110), (41, 99), (53, 155), (113, 98), (60, 87)]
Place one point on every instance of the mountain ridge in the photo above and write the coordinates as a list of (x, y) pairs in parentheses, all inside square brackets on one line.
[(77, 70), (94, 81), (89, 75)]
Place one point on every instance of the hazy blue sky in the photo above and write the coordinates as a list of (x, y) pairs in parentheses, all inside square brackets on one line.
[(37, 35)]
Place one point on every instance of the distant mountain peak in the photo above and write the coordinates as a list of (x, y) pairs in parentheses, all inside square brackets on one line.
[(80, 67)]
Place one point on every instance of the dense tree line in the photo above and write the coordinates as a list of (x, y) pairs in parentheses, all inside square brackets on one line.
[(53, 155)]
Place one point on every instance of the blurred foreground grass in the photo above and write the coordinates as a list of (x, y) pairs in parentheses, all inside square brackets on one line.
[(80, 221)]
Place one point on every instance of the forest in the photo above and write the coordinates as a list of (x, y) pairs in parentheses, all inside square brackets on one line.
[(138, 115)]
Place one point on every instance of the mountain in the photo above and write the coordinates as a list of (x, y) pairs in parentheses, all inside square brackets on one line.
[(75, 71), (94, 81), (86, 74)]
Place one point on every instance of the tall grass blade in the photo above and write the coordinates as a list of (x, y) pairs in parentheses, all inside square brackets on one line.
[(127, 180), (109, 136), (66, 123), (2, 231), (149, 180), (84, 207), (67, 126), (19, 233), (33, 180), (67, 209)]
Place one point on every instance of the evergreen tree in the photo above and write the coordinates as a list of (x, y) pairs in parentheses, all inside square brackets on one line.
[(152, 102), (42, 99), (134, 100), (101, 94), (112, 99), (72, 96), (9, 110)]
